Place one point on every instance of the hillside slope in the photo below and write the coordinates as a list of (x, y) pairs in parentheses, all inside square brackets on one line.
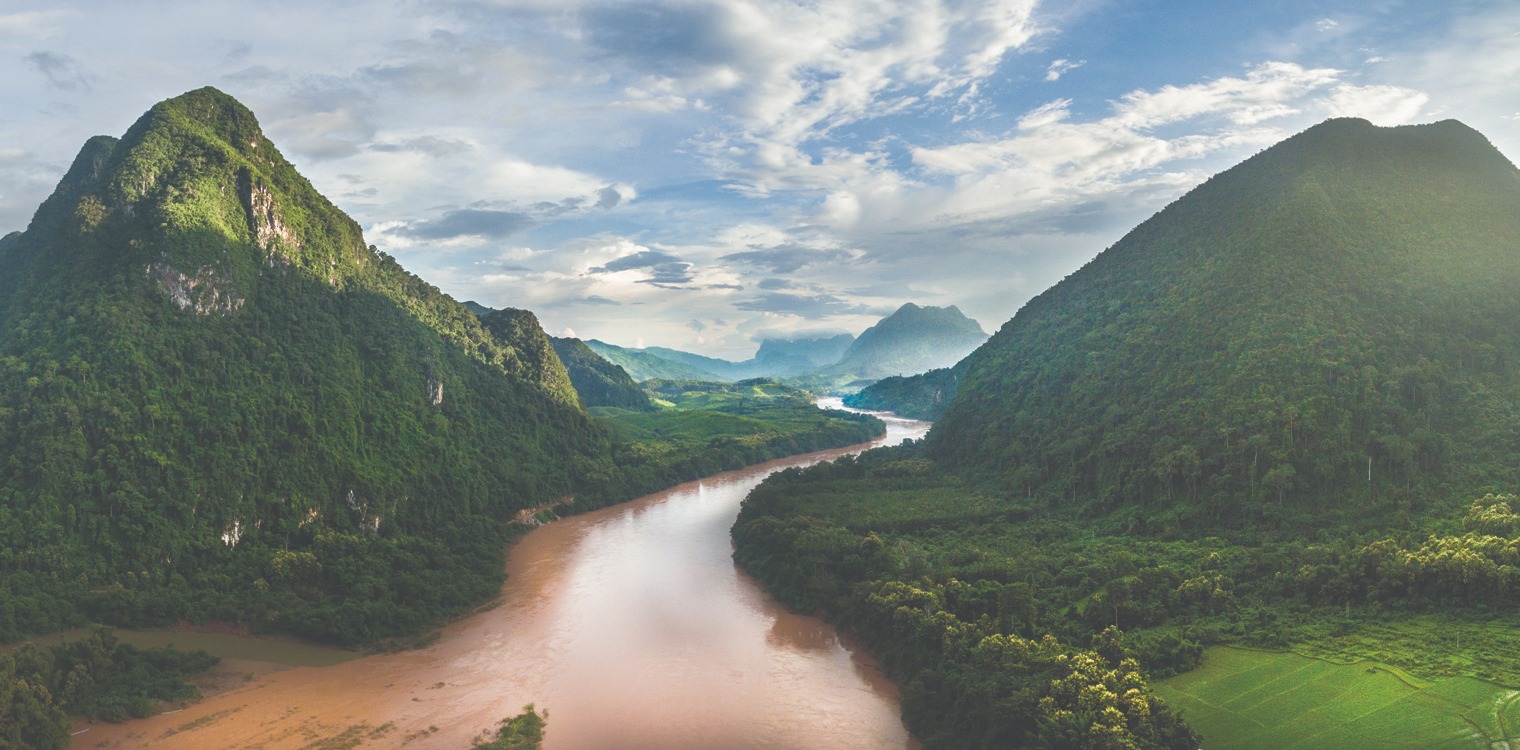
[(1332, 321), (598, 381)]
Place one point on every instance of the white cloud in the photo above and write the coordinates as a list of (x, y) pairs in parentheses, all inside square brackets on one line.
[(1382, 105), (1061, 67)]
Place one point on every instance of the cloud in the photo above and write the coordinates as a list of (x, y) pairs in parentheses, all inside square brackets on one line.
[(697, 325), (61, 71), (802, 305), (430, 145), (469, 222), (663, 268), (1382, 105), (1060, 67), (786, 258)]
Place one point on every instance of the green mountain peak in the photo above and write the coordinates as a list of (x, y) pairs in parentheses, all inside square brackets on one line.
[(205, 373), (1336, 307)]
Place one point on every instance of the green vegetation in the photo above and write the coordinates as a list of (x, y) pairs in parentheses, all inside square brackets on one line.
[(962, 600), (923, 396), (642, 365), (1276, 701), (1175, 442), (709, 427), (217, 403), (743, 397), (1328, 326), (524, 731), (599, 382), (98, 677)]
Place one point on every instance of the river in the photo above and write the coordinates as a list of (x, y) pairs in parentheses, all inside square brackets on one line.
[(630, 625)]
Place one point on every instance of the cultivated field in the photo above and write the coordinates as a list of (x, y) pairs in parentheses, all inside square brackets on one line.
[(1248, 699)]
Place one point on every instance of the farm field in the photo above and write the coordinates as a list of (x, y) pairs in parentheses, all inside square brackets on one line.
[(1247, 699)]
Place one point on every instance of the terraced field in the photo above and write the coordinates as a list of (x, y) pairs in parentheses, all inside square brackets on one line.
[(1246, 699)]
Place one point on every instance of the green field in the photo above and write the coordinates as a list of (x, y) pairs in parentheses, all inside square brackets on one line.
[(1247, 699)]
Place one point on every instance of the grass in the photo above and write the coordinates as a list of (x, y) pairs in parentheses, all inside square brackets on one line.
[(1443, 645), (1247, 699)]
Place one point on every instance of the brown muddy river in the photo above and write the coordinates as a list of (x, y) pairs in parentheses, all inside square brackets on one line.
[(630, 625)]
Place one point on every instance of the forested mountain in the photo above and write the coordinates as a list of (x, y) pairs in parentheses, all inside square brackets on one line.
[(1332, 321), (1270, 415), (599, 382), (642, 365), (923, 396), (776, 358), (912, 340), (217, 401)]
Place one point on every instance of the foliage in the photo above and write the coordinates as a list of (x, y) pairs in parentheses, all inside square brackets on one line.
[(660, 449), (1254, 420), (642, 365), (599, 382), (923, 396), (743, 397), (1328, 326), (968, 607), (524, 731), (98, 677)]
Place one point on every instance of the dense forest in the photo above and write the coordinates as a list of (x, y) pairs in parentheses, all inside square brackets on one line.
[(923, 396), (1329, 323), (598, 381), (1280, 413)]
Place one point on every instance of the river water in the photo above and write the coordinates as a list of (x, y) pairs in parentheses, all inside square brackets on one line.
[(631, 625)]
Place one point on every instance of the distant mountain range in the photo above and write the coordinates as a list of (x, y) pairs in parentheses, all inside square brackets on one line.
[(909, 341)]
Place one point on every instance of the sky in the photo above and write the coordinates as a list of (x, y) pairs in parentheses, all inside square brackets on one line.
[(703, 174)]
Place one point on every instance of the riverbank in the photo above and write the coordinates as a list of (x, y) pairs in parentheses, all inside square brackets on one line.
[(630, 625)]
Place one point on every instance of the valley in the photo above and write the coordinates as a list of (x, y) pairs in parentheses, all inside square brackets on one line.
[(630, 625), (1246, 477)]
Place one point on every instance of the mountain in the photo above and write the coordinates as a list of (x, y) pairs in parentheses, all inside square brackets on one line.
[(643, 365), (923, 396), (784, 357), (598, 381), (776, 358), (217, 401), (1329, 326), (910, 341)]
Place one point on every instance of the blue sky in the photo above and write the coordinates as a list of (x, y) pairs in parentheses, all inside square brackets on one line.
[(700, 174)]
